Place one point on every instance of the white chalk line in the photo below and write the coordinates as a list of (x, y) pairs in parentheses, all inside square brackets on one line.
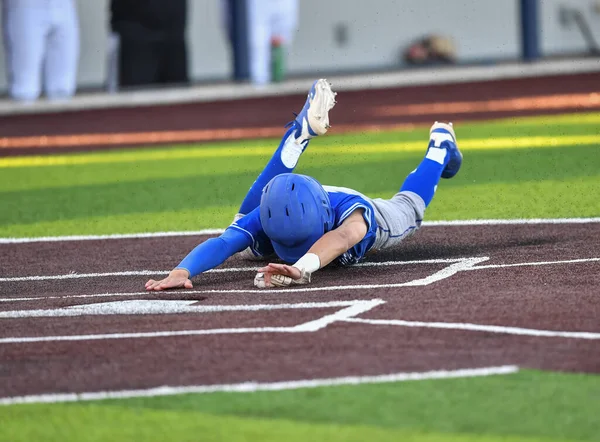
[(98, 295), (458, 262), (111, 274), (250, 387), (447, 272), (157, 334), (398, 263), (352, 308), (500, 222), (110, 236), (252, 269), (167, 307), (442, 274), (254, 291), (74, 275), (478, 327), (534, 263), (462, 264), (473, 222)]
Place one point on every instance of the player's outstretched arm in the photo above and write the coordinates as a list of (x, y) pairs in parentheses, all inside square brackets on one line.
[(325, 250), (206, 256)]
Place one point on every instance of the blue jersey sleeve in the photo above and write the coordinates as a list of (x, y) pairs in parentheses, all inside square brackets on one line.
[(344, 204), (250, 226), (214, 251)]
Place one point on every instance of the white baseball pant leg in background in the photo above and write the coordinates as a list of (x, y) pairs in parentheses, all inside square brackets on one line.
[(62, 50), (284, 20), (268, 18), (25, 29), (41, 38)]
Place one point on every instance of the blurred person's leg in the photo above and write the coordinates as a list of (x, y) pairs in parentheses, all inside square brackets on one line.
[(174, 62), (235, 20), (139, 55), (227, 19), (259, 30), (284, 20), (25, 27), (113, 44), (62, 52)]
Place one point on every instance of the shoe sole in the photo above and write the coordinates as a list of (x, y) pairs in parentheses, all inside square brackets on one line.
[(449, 128), (322, 102), (444, 126)]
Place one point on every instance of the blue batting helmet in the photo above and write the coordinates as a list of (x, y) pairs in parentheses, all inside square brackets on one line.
[(295, 212)]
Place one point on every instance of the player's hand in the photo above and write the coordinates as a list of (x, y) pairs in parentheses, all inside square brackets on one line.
[(278, 275), (177, 278)]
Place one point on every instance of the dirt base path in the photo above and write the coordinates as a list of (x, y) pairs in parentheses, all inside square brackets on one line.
[(532, 290)]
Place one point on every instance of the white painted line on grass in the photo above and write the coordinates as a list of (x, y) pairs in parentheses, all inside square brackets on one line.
[(250, 387), (472, 222), (478, 327), (168, 307)]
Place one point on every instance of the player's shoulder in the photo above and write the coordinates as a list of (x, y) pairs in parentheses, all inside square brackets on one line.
[(342, 196), (345, 201), (338, 190), (249, 222)]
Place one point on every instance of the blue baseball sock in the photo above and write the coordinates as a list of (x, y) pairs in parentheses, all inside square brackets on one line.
[(424, 179), (284, 160)]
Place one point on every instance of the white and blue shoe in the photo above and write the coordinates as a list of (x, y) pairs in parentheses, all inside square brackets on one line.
[(441, 135), (313, 119)]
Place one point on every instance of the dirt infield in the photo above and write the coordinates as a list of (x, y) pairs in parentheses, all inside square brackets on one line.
[(452, 297), (532, 290), (252, 118)]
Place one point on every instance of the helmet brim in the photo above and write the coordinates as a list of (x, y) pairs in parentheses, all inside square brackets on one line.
[(292, 254)]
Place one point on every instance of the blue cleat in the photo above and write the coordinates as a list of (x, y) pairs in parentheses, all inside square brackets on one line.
[(313, 119), (442, 135)]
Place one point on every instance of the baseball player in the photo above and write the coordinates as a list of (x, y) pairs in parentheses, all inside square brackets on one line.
[(309, 225), (41, 41)]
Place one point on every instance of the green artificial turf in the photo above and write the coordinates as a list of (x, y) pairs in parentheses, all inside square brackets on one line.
[(197, 187), (526, 406)]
